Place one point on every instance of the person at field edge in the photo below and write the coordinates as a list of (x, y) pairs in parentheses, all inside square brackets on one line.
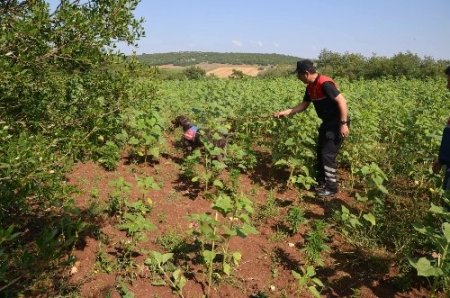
[(331, 107), (444, 151)]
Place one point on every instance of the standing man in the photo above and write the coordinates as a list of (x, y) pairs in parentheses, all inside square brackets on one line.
[(331, 107), (444, 150)]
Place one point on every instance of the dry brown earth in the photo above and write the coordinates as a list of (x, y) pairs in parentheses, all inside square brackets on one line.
[(222, 70)]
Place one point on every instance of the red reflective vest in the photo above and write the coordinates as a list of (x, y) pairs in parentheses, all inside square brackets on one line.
[(315, 89)]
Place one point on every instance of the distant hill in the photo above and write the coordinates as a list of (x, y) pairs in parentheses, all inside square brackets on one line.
[(192, 58)]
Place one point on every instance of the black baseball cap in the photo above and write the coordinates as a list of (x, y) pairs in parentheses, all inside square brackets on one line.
[(304, 66)]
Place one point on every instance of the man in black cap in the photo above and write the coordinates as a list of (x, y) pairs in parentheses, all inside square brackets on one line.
[(331, 107)]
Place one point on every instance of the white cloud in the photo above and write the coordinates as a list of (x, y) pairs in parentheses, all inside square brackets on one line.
[(276, 44), (259, 44), (237, 43)]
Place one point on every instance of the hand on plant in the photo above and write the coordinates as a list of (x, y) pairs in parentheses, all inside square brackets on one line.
[(436, 166), (282, 113)]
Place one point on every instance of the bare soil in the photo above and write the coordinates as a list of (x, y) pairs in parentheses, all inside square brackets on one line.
[(222, 70), (267, 258)]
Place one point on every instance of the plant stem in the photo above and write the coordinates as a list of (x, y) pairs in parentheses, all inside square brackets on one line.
[(210, 271), (170, 280)]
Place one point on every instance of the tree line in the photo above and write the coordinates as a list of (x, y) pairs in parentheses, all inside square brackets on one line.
[(349, 65), (192, 58)]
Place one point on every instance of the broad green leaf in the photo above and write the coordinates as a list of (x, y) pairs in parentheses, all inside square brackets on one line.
[(176, 274), (289, 142), (133, 141), (420, 228), (246, 230), (296, 274), (370, 218), (154, 152), (438, 210), (223, 204), (314, 291), (424, 268), (310, 271), (208, 256), (236, 257), (446, 231), (218, 183), (159, 283), (317, 281), (226, 268), (360, 198)]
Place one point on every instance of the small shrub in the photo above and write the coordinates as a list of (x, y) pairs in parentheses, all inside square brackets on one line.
[(109, 156)]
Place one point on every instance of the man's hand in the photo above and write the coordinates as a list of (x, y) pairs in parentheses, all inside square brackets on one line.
[(282, 113), (344, 131)]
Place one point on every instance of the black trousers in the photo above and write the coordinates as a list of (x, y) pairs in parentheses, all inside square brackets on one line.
[(446, 182), (327, 149)]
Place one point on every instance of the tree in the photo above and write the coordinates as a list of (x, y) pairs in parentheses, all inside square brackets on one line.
[(60, 91), (194, 73), (38, 47), (237, 74)]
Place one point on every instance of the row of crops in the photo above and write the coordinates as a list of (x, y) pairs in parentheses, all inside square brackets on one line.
[(395, 135), (386, 164)]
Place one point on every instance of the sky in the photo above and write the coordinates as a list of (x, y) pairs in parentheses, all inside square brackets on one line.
[(296, 27)]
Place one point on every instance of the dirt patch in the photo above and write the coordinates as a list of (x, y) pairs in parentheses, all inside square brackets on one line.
[(267, 258), (221, 70), (226, 71)]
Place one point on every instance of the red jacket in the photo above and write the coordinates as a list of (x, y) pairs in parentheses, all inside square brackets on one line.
[(315, 89), (326, 107)]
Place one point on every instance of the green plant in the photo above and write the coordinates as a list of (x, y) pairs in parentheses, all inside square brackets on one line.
[(108, 155), (104, 262), (169, 240), (188, 167), (278, 236), (351, 223), (123, 290), (56, 99), (136, 225), (160, 263), (118, 197), (147, 183), (194, 73), (298, 174), (438, 268), (95, 193), (237, 74), (306, 279), (6, 235), (269, 209), (213, 163), (373, 178), (215, 237), (143, 132), (315, 243), (125, 264), (294, 218)]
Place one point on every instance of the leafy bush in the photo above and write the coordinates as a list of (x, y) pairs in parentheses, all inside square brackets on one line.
[(109, 155), (194, 73), (59, 92)]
